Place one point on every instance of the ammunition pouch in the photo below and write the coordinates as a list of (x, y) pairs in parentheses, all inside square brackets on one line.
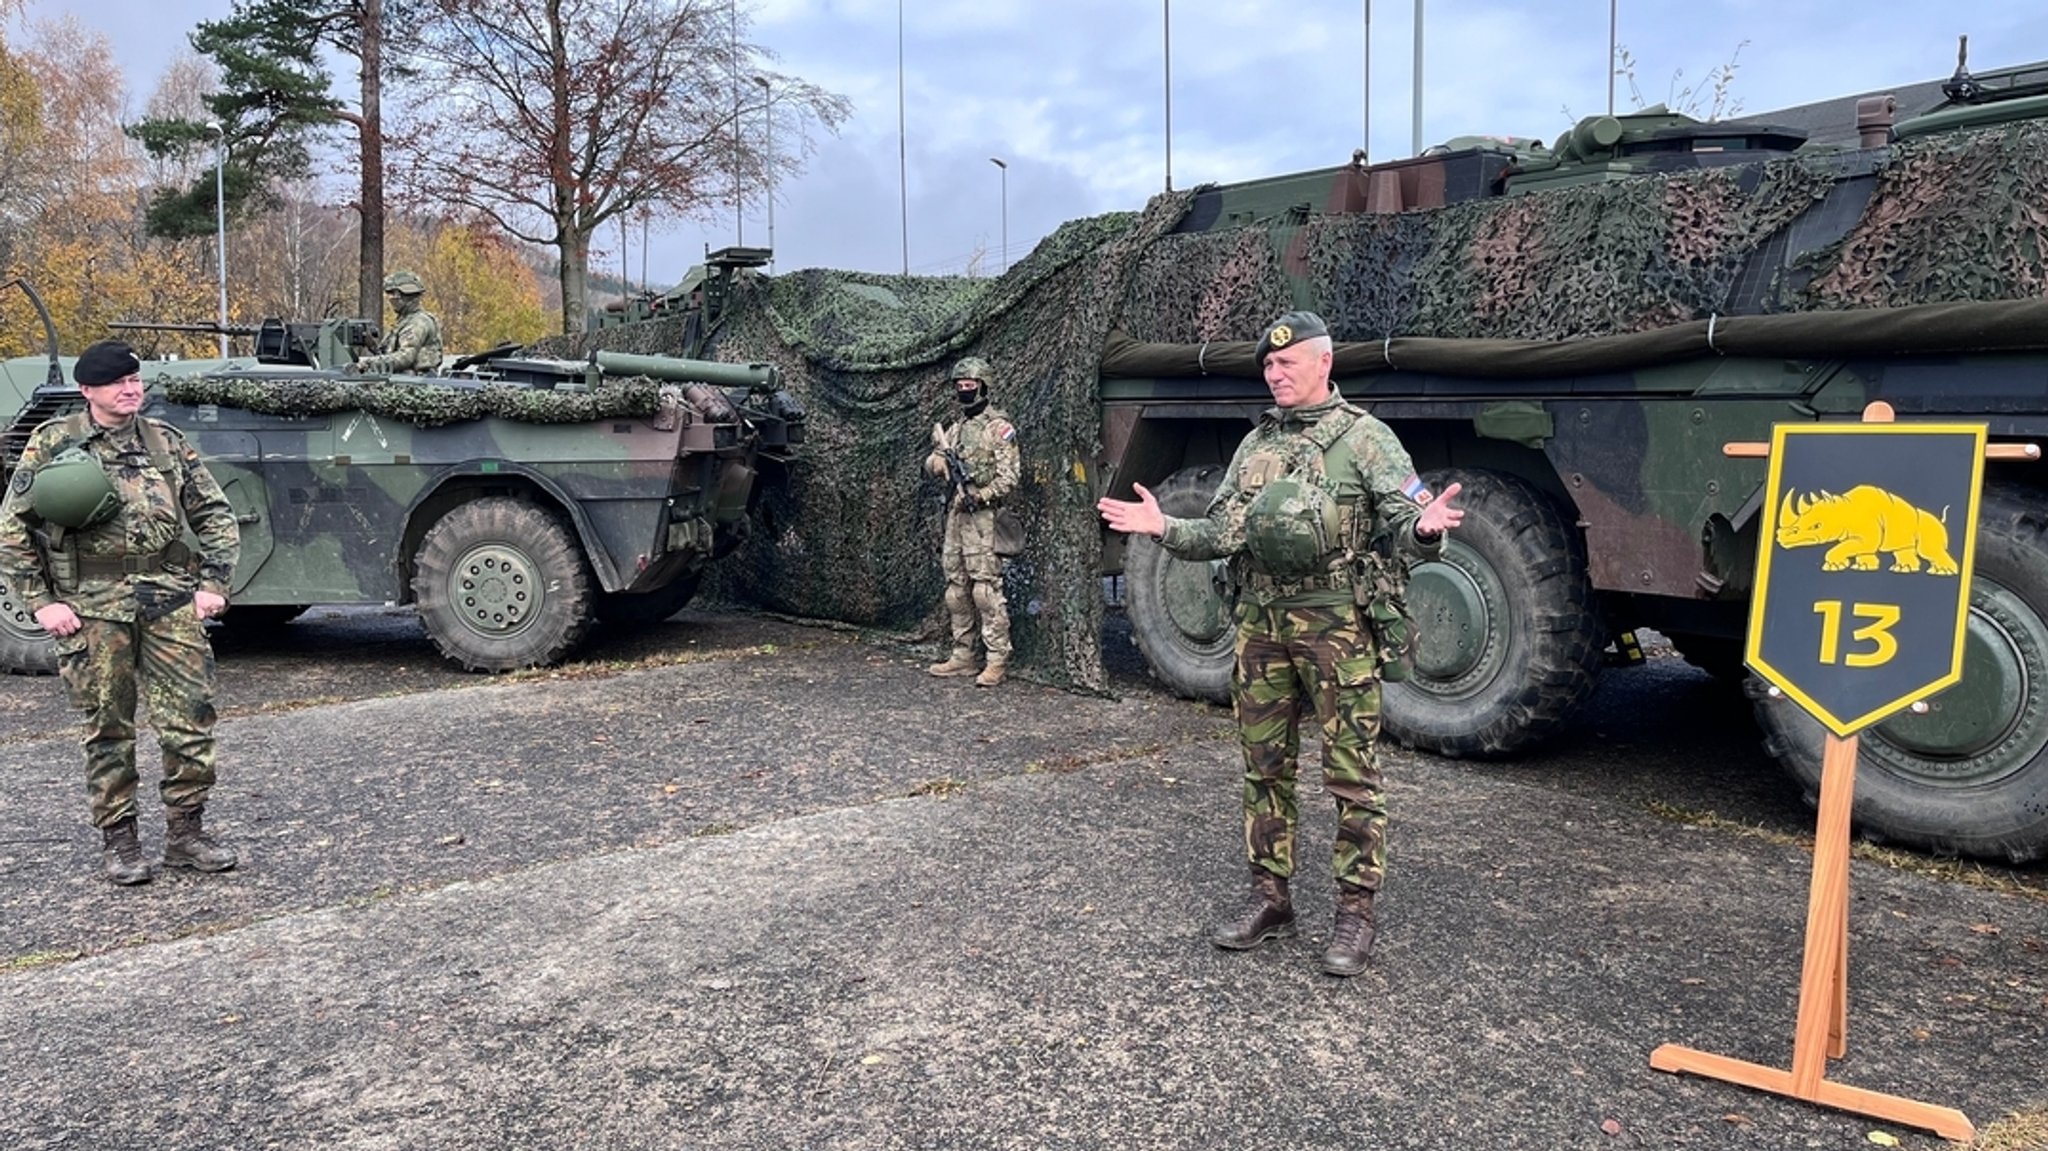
[(59, 562), (1381, 594), (1009, 534)]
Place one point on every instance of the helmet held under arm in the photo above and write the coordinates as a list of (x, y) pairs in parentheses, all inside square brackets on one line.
[(72, 491)]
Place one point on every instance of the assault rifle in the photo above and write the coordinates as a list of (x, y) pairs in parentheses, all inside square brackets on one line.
[(962, 479)]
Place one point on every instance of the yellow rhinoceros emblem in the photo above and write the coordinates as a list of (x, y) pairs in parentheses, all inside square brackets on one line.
[(1861, 523)]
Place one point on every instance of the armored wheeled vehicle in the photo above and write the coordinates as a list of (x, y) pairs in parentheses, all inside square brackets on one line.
[(514, 501), (1573, 332)]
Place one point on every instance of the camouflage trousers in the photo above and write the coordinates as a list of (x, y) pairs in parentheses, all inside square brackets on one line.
[(1291, 660), (974, 583), (103, 664)]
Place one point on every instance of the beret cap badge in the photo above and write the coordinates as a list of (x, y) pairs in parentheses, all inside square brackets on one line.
[(1281, 336)]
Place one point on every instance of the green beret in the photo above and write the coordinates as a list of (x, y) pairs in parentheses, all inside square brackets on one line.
[(1288, 330)]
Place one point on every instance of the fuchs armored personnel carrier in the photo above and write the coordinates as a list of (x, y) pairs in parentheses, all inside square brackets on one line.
[(1573, 333), (513, 500)]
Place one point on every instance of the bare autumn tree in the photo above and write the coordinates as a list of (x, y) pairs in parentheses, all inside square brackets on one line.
[(553, 117), (274, 99)]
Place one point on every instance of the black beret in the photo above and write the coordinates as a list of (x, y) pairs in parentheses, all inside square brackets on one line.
[(1291, 328), (105, 362)]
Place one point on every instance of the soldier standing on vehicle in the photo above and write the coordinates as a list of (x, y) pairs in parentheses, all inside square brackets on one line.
[(414, 342), (977, 455), (1318, 514), (91, 534)]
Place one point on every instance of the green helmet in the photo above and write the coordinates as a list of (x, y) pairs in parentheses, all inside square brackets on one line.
[(405, 282), (974, 368), (1291, 527), (72, 491)]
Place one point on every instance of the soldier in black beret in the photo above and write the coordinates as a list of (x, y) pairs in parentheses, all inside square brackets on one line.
[(92, 544), (105, 363), (1318, 515)]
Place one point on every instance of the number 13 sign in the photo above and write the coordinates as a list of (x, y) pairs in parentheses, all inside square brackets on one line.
[(1863, 565)]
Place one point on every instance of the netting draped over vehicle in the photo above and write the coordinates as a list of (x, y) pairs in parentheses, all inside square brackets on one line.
[(854, 536), (1653, 259), (423, 403), (1960, 216)]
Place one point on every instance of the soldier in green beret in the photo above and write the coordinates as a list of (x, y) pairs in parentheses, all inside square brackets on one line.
[(91, 537), (1318, 515), (414, 342)]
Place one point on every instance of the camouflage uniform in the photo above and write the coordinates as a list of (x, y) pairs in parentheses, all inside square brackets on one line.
[(412, 345), (1306, 639), (987, 442), (133, 600)]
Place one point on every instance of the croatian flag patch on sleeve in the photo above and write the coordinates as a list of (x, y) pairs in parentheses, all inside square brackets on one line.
[(1415, 489)]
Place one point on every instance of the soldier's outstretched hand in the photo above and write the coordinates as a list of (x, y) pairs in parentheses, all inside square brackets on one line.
[(1438, 515), (1141, 517)]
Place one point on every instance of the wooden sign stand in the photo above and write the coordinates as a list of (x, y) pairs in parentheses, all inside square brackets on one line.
[(1822, 1032)]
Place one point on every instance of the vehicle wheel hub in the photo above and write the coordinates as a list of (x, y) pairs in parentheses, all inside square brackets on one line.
[(1189, 594), (1984, 726), (1450, 611), (496, 587)]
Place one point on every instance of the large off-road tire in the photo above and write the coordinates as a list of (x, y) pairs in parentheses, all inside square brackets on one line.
[(652, 607), (25, 648), (502, 585), (1970, 776), (1178, 614), (1508, 641)]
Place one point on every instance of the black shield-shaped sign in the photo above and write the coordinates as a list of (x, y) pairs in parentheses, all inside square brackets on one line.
[(1864, 564)]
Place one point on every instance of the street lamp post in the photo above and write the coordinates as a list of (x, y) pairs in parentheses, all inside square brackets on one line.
[(739, 199), (1415, 141), (1005, 179), (902, 142), (220, 225), (1166, 36), (768, 114)]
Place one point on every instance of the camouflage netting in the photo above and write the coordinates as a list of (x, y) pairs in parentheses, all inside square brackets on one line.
[(1591, 278), (425, 403), (855, 534), (1954, 217)]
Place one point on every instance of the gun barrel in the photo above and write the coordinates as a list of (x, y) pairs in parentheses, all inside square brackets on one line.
[(209, 328), (689, 371)]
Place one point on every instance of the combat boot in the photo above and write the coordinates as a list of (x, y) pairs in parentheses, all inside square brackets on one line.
[(960, 663), (1268, 915), (186, 843), (992, 675), (1351, 939), (121, 854)]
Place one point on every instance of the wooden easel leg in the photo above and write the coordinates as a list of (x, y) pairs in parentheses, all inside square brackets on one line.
[(1823, 997), (1822, 1030)]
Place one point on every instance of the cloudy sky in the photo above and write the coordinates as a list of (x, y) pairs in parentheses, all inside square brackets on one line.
[(1072, 95)]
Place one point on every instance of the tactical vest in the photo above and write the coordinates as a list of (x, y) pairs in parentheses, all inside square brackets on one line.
[(1302, 537), (1297, 529), (67, 566)]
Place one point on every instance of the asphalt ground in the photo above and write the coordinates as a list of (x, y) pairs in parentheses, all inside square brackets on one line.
[(735, 882)]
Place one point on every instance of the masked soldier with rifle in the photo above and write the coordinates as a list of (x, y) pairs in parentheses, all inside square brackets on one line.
[(92, 536), (978, 458)]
